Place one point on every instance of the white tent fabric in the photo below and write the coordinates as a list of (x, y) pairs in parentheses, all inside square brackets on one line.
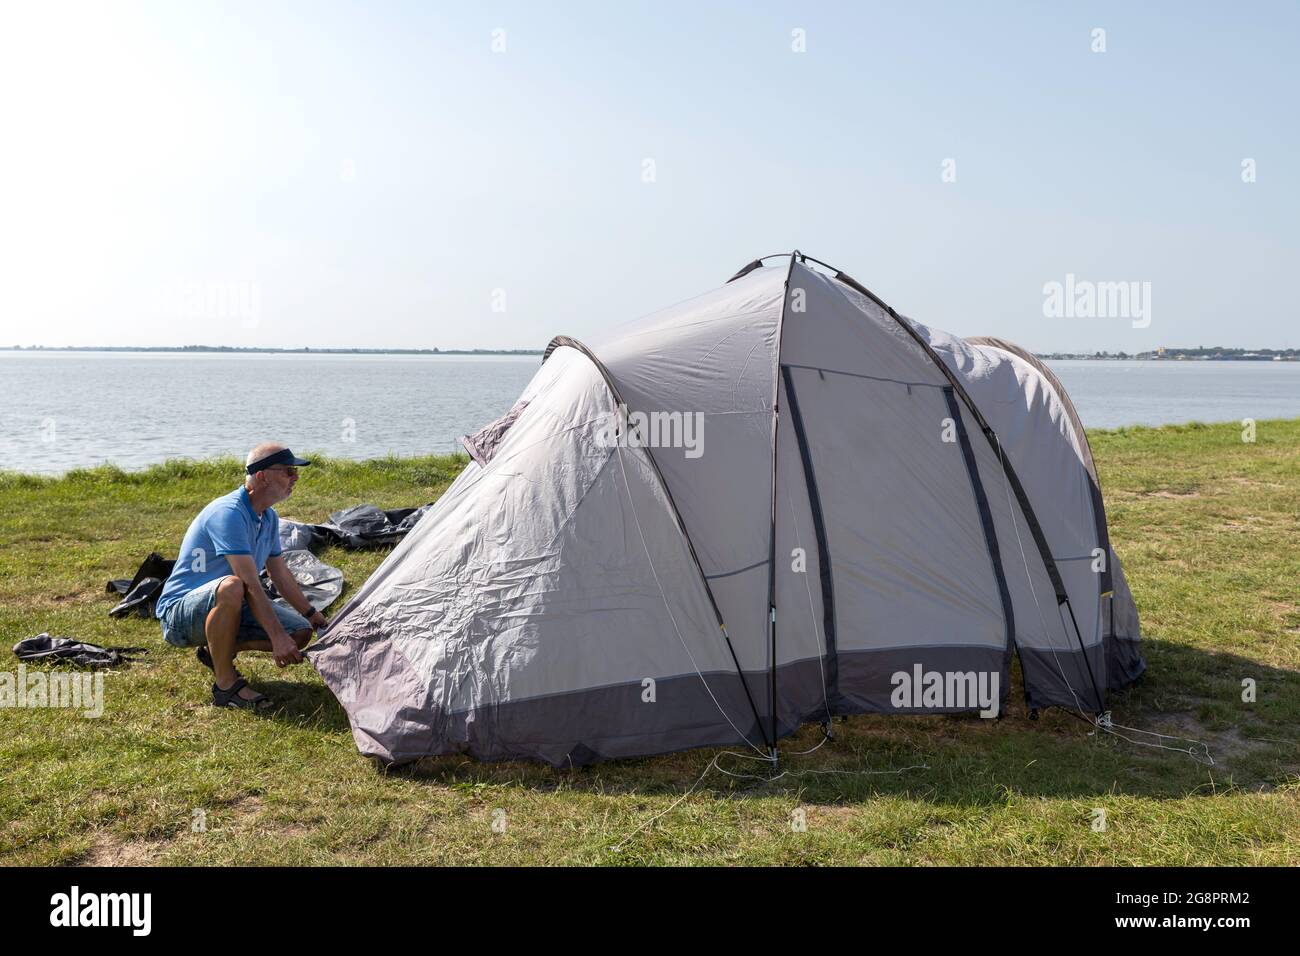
[(745, 512)]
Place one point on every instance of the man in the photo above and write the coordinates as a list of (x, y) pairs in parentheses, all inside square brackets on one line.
[(214, 598)]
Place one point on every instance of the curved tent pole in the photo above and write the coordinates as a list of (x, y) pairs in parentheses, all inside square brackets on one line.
[(758, 263), (566, 341)]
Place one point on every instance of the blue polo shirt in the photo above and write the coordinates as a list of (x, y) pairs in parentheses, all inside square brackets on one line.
[(226, 526)]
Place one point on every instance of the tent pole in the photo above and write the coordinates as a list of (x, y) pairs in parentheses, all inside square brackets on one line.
[(1101, 701), (771, 533)]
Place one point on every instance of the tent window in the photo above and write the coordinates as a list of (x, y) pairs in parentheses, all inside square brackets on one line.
[(483, 444)]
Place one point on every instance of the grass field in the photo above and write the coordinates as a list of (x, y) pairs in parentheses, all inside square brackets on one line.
[(1208, 529)]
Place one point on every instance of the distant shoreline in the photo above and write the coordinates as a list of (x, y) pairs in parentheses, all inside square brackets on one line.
[(1182, 355), (240, 350), (1202, 354)]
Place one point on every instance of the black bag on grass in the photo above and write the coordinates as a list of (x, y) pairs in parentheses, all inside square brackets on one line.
[(141, 592), (55, 650)]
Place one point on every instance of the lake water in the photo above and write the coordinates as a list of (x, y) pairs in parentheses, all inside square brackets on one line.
[(63, 410)]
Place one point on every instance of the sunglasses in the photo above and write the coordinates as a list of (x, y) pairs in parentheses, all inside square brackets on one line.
[(290, 470)]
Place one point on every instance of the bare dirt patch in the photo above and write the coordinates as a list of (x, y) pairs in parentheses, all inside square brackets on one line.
[(1225, 746), (112, 850)]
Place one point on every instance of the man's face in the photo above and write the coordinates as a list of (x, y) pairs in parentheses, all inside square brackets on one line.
[(280, 480)]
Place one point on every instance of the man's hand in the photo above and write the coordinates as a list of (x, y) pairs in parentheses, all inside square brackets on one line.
[(285, 649), (317, 620)]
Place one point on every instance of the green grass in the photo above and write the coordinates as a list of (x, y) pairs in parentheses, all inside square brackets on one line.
[(1206, 526)]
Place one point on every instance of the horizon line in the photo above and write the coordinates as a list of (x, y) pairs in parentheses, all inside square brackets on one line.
[(434, 350)]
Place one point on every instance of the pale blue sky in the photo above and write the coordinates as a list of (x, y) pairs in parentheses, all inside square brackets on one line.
[(338, 175)]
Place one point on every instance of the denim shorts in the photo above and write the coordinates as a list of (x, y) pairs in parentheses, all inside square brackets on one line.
[(184, 620)]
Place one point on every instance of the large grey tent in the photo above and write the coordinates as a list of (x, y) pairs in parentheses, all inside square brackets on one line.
[(748, 511)]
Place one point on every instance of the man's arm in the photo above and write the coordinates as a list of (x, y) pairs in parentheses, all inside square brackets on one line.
[(282, 645), (287, 585)]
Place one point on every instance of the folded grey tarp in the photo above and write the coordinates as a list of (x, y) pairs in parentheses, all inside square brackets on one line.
[(321, 583)]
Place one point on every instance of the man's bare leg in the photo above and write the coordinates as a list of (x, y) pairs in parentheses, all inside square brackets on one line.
[(221, 628)]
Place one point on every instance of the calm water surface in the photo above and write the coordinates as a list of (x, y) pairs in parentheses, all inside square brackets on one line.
[(64, 410)]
